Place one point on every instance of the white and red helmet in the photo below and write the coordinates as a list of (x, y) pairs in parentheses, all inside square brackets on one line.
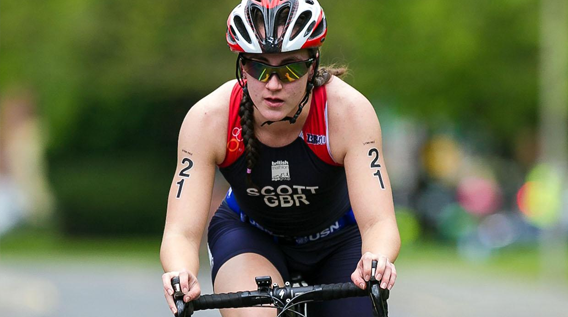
[(274, 26)]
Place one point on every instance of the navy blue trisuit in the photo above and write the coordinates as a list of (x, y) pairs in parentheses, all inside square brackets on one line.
[(299, 217)]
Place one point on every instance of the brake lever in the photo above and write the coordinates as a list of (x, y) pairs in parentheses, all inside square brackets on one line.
[(183, 309), (378, 296)]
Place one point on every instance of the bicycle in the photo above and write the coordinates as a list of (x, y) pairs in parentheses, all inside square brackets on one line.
[(289, 301)]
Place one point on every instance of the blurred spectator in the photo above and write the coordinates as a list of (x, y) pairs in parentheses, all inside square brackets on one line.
[(24, 192)]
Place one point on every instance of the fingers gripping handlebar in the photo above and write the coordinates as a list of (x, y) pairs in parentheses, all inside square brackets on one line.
[(378, 296), (217, 301), (178, 298)]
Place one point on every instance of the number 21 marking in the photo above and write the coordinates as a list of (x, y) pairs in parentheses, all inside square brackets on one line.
[(183, 173), (375, 164)]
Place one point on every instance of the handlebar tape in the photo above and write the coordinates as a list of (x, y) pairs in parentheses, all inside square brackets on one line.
[(230, 300), (334, 291)]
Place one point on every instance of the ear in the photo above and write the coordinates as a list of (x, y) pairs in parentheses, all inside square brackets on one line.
[(314, 65), (240, 68), (240, 73), (312, 72)]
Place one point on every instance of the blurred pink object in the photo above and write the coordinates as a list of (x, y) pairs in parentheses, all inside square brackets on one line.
[(478, 195)]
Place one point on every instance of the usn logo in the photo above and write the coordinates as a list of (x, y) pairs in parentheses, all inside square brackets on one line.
[(315, 139), (324, 233), (280, 171)]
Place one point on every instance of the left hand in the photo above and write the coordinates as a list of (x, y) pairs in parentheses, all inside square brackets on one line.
[(386, 271)]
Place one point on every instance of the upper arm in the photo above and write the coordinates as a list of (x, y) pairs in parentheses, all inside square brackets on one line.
[(201, 146), (356, 141)]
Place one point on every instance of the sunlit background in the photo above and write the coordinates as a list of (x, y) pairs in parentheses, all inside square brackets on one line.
[(472, 97)]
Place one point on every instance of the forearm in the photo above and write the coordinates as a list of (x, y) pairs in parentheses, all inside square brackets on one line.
[(179, 253), (381, 238)]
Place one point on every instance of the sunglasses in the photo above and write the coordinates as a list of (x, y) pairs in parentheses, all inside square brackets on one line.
[(287, 73)]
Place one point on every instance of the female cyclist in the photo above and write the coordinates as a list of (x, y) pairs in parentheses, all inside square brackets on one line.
[(302, 152)]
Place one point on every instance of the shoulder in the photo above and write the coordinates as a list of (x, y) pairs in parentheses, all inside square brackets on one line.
[(351, 116), (346, 101), (216, 101), (205, 124)]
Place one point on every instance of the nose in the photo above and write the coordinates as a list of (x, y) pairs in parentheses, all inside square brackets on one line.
[(274, 82)]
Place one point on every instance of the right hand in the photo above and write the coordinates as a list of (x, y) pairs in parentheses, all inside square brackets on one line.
[(189, 286)]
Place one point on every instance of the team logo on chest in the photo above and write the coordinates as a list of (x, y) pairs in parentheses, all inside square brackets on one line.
[(280, 171)]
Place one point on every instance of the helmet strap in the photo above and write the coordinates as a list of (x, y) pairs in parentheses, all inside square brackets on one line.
[(239, 72)]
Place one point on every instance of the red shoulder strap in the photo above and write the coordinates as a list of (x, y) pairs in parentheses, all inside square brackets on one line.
[(235, 144), (315, 132)]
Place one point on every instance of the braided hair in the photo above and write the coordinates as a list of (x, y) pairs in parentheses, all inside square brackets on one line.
[(252, 146), (246, 112)]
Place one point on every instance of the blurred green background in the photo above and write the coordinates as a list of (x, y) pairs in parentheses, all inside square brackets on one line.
[(471, 95)]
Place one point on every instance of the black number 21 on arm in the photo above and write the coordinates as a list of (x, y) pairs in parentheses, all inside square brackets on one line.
[(374, 153), (184, 174)]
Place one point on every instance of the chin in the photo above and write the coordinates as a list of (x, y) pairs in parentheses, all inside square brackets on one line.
[(275, 115), (272, 117)]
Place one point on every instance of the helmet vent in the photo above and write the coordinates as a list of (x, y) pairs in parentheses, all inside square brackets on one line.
[(258, 22), (281, 20), (301, 22), (319, 29), (309, 29), (233, 33), (242, 29)]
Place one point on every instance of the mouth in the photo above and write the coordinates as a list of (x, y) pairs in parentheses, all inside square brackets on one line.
[(273, 102)]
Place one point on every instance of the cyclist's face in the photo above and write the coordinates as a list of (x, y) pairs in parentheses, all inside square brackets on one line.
[(274, 97)]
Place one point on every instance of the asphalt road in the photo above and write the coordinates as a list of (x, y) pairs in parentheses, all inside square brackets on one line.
[(110, 288)]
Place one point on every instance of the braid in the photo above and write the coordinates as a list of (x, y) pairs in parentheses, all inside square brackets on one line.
[(252, 150), (324, 74), (322, 77)]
